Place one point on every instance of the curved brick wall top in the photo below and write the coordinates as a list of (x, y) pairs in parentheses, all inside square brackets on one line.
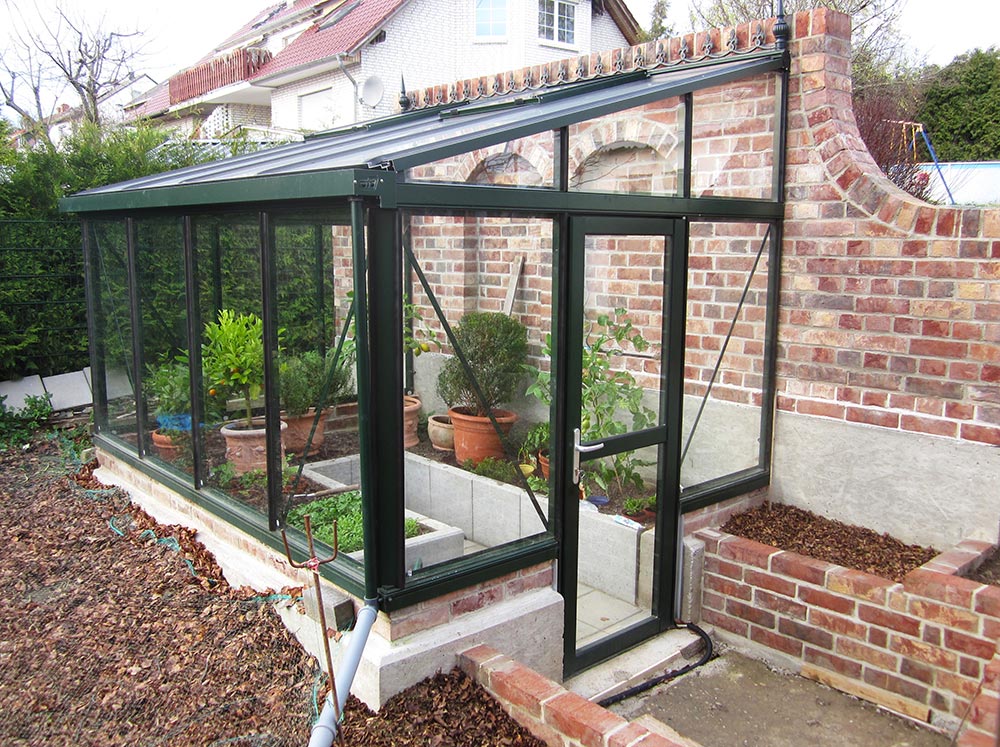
[(890, 308)]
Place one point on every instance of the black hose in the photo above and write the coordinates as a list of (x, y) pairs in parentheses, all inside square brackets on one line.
[(660, 679)]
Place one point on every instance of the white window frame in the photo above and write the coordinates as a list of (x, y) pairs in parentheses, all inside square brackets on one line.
[(305, 102), (495, 28), (549, 33)]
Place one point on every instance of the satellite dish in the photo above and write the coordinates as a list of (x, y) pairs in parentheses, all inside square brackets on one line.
[(371, 92)]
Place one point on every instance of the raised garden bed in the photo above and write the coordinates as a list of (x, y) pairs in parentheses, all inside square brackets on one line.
[(791, 528)]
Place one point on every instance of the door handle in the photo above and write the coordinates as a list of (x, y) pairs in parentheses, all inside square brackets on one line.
[(578, 449)]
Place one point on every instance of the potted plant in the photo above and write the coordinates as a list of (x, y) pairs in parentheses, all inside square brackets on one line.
[(535, 448), (233, 360), (496, 347), (169, 384), (302, 379)]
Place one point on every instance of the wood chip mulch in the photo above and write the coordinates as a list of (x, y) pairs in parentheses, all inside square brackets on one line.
[(115, 630), (797, 530)]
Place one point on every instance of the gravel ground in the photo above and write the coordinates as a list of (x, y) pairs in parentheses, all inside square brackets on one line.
[(115, 630)]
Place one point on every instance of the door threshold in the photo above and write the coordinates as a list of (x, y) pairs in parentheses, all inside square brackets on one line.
[(668, 650)]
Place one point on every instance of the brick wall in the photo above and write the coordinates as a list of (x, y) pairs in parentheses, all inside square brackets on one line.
[(921, 647)]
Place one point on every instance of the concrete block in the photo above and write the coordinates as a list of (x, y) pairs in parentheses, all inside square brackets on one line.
[(496, 512), (609, 555), (451, 498), (644, 586), (118, 384), (528, 628), (530, 523), (68, 390), (417, 480), (18, 390), (337, 606), (692, 567)]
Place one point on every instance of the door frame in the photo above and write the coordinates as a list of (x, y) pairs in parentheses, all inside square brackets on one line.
[(666, 436)]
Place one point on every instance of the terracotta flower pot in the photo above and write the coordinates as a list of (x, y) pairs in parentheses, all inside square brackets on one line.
[(475, 438), (166, 448), (543, 462), (411, 414), (298, 430), (246, 448), (441, 432)]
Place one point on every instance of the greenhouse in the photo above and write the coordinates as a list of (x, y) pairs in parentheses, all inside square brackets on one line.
[(585, 274)]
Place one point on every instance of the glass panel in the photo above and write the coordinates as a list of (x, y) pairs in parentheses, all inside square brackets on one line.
[(623, 317), (162, 303), (314, 259), (227, 256), (525, 162), (615, 559), (722, 415), (108, 241), (473, 498), (635, 151), (733, 135)]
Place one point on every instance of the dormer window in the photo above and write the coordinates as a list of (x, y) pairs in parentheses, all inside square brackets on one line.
[(491, 19), (557, 21)]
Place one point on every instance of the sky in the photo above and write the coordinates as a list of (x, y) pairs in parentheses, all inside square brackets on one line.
[(179, 32)]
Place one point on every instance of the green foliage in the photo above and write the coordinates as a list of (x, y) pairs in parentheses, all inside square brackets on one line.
[(496, 469), (536, 438), (417, 339), (496, 347), (301, 382), (233, 357), (658, 26), (961, 107), (345, 509), (611, 397), (170, 385), (17, 427)]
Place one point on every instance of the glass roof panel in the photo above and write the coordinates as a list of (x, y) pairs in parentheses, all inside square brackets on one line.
[(413, 138)]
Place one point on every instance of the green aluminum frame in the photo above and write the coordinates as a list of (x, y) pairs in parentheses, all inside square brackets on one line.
[(369, 194)]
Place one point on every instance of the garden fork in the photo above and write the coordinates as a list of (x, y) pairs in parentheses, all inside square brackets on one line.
[(313, 565)]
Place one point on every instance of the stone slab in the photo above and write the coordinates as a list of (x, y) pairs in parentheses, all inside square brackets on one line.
[(17, 390), (69, 390)]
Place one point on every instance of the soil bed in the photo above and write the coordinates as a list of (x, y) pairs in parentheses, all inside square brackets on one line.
[(988, 572), (115, 630), (791, 528)]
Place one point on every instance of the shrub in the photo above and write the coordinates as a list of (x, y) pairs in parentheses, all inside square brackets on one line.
[(496, 347), (18, 426)]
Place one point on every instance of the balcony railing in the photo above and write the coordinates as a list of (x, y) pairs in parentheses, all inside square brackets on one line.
[(221, 71)]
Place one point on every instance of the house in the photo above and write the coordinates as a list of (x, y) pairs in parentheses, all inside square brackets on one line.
[(315, 64)]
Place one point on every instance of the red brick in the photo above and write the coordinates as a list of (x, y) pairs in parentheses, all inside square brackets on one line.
[(878, 637), (924, 652), (886, 619), (906, 688), (747, 552), (763, 618), (715, 564), (948, 589), (780, 604), (627, 736), (471, 662), (858, 584), (837, 624), (967, 644), (917, 671), (988, 601), (873, 417), (984, 712), (806, 633), (931, 426), (861, 652), (969, 668), (776, 641), (800, 567), (770, 582), (825, 599), (728, 587), (833, 662), (578, 718), (523, 687), (724, 621), (964, 687), (478, 600), (936, 612)]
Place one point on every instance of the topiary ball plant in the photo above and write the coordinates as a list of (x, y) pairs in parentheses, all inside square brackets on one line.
[(496, 347)]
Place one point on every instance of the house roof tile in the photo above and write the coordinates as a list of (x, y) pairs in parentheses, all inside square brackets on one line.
[(342, 37)]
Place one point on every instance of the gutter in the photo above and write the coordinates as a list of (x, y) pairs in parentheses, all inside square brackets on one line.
[(324, 731)]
